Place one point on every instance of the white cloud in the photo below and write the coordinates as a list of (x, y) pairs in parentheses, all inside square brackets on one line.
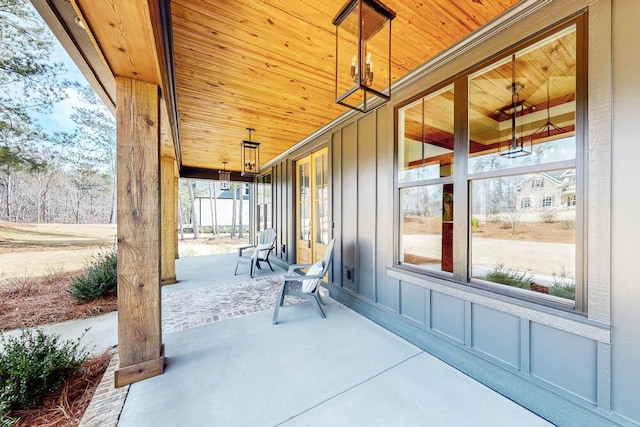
[(59, 120)]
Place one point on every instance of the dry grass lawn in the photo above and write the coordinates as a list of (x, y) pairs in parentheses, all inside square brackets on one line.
[(554, 232), (41, 249), (37, 263)]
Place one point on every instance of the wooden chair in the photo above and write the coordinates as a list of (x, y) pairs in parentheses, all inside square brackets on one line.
[(260, 253), (305, 285)]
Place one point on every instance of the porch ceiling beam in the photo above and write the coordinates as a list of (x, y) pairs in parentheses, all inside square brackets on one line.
[(133, 38), (205, 173)]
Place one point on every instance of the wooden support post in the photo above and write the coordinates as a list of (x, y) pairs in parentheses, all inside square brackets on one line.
[(139, 328), (168, 264), (176, 194)]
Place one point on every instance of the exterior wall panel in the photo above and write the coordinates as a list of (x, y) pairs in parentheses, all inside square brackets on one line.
[(387, 288), (349, 206), (366, 197), (336, 204), (496, 334), (565, 360), (625, 363), (412, 302), (447, 315), (289, 209)]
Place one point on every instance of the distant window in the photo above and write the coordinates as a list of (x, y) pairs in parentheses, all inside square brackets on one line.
[(547, 201), (571, 200), (537, 183), (525, 203)]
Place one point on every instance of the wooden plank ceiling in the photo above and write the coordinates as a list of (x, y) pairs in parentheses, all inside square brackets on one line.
[(270, 65)]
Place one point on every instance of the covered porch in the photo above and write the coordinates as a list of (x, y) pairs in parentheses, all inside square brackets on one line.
[(185, 78), (342, 370)]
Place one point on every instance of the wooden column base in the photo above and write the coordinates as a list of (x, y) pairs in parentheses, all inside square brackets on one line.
[(141, 371), (168, 280)]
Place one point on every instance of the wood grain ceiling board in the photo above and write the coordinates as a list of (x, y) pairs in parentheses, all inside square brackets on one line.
[(270, 65), (123, 33)]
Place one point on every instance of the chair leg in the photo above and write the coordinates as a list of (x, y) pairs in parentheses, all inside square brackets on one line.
[(251, 269), (235, 273), (317, 292), (267, 260), (318, 307), (285, 291), (279, 303)]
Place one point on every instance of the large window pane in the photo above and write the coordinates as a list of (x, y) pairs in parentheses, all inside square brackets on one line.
[(522, 109), (425, 141), (304, 201), (426, 237), (321, 199), (523, 231), (522, 161)]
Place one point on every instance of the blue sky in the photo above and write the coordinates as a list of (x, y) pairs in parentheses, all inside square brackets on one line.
[(59, 119)]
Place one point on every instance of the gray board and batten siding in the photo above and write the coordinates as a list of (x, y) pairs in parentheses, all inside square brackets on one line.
[(569, 368)]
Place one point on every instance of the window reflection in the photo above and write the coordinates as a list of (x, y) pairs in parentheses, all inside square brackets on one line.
[(427, 227), (525, 101), (523, 231), (425, 148)]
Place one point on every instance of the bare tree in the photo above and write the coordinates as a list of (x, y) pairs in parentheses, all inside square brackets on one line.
[(215, 209), (212, 189), (241, 199), (40, 186), (233, 211), (180, 221), (194, 213)]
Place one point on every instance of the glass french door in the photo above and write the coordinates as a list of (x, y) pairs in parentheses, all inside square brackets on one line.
[(312, 204)]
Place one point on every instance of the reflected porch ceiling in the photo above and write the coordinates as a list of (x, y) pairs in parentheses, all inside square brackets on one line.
[(270, 65)]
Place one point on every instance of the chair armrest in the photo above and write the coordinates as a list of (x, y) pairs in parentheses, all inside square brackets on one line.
[(288, 278), (242, 248), (294, 267)]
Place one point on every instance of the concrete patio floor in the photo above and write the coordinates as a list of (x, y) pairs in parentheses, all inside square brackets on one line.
[(307, 371)]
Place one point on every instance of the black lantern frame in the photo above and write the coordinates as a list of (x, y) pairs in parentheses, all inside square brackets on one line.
[(363, 29), (224, 176), (250, 156), (517, 147)]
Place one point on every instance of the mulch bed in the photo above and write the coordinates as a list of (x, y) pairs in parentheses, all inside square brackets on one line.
[(66, 406), (33, 301)]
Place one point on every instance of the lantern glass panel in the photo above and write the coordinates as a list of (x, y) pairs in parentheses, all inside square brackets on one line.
[(376, 31), (348, 57)]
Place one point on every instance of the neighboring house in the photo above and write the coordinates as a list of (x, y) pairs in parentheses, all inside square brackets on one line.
[(544, 191), (223, 204)]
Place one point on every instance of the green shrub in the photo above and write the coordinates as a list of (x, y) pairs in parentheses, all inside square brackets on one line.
[(568, 292), (475, 224), (33, 365), (6, 421), (99, 280), (509, 276), (564, 285)]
